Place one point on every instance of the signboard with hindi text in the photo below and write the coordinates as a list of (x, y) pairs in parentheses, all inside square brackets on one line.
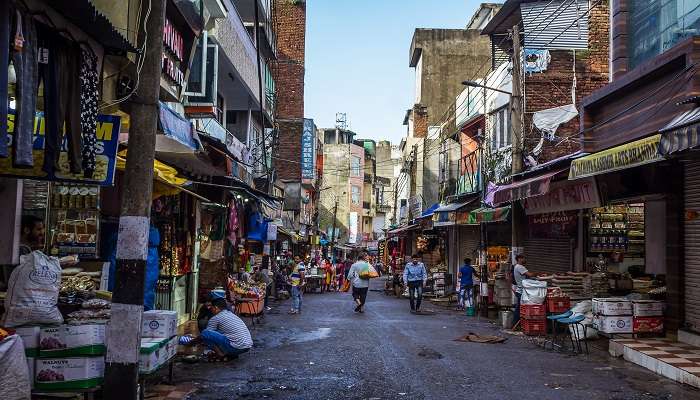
[(105, 153), (565, 195)]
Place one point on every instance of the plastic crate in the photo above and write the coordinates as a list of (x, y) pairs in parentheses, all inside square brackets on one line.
[(558, 304), (533, 311), (534, 327)]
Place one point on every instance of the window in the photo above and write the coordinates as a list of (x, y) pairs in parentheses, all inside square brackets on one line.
[(355, 166), (355, 195), (500, 128), (655, 26)]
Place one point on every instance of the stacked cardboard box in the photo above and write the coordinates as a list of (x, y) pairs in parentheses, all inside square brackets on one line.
[(648, 316), (612, 315)]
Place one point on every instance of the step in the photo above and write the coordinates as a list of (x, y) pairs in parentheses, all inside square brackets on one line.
[(674, 360)]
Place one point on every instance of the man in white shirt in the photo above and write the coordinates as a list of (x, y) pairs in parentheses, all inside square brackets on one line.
[(360, 286), (519, 273)]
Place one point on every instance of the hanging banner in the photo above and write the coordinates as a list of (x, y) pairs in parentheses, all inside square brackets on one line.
[(108, 127), (271, 232), (634, 154), (565, 195), (352, 236), (307, 150)]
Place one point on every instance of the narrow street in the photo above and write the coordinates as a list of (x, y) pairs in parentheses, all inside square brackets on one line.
[(328, 352)]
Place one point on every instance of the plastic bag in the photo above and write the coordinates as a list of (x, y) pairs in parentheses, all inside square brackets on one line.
[(32, 291), (584, 308), (368, 272), (534, 292), (14, 372)]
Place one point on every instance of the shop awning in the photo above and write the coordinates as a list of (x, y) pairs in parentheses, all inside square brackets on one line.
[(629, 155), (88, 18), (166, 181), (403, 229), (484, 214), (530, 187), (446, 215), (682, 133), (452, 206), (430, 210)]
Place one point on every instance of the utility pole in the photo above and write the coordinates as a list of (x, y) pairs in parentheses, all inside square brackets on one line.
[(124, 334), (335, 218), (517, 140)]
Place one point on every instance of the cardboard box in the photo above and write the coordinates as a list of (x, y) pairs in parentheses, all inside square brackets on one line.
[(31, 364), (30, 338), (171, 346), (612, 306), (613, 324), (159, 324), (156, 352), (648, 324), (647, 308), (72, 340), (69, 373)]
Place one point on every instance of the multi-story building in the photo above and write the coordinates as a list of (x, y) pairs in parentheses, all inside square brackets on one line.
[(388, 169), (342, 197)]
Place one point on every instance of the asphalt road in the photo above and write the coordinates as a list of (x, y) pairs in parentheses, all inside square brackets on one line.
[(329, 352)]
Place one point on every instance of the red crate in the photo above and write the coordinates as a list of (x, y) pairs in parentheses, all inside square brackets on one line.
[(648, 324), (534, 327), (558, 304), (533, 311)]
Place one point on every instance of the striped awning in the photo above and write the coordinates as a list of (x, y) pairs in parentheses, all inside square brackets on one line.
[(682, 133), (484, 214)]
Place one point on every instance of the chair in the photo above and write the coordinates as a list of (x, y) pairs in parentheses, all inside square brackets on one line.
[(576, 321), (554, 318)]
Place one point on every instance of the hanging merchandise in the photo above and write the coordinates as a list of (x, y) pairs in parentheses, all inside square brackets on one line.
[(233, 223), (257, 227), (89, 95)]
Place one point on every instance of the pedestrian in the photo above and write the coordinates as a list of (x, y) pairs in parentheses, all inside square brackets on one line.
[(297, 281), (360, 285), (519, 273), (226, 334), (340, 274), (329, 279), (466, 284), (414, 276)]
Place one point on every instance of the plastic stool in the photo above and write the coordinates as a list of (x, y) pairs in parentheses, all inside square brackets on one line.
[(576, 320), (554, 318)]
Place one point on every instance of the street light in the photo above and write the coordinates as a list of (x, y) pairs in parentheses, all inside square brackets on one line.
[(479, 85)]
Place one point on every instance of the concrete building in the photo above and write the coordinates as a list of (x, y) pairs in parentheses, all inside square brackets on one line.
[(388, 169), (442, 59), (343, 193)]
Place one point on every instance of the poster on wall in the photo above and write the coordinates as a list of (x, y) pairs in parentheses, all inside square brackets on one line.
[(553, 225), (105, 153), (352, 237)]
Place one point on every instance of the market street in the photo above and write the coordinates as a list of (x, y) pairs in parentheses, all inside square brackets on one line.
[(328, 352)]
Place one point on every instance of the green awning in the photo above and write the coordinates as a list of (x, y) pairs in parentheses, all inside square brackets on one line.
[(484, 214)]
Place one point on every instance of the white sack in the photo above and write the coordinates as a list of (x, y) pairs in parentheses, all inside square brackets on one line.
[(14, 373), (534, 292), (32, 292)]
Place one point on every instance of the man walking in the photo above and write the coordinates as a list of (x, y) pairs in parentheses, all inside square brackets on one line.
[(360, 285), (519, 273), (414, 276), (466, 284), (297, 281)]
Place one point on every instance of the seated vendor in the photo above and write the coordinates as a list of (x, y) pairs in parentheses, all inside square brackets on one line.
[(226, 334)]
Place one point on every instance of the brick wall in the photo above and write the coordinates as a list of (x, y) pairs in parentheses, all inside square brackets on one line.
[(552, 88), (289, 148), (289, 18), (420, 121)]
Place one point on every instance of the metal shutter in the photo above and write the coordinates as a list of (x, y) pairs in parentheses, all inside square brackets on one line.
[(692, 247), (555, 24), (549, 255), (469, 242)]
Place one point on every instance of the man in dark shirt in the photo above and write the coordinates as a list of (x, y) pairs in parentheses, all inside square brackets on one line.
[(466, 284)]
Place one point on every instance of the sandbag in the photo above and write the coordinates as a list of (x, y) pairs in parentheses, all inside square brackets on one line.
[(32, 291), (14, 373), (534, 292)]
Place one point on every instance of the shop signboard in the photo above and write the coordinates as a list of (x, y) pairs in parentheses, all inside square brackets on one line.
[(352, 236), (565, 195), (307, 150), (415, 207), (562, 224), (107, 133), (634, 154), (271, 232)]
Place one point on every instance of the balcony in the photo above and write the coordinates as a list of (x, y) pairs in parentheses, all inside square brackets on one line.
[(383, 208), (246, 9)]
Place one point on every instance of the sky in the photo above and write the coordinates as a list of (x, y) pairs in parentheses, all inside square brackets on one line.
[(357, 59)]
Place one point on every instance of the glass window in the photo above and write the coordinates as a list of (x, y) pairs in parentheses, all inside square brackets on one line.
[(355, 166), (355, 198), (657, 25)]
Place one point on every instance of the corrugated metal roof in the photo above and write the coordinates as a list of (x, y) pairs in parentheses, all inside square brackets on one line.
[(560, 24)]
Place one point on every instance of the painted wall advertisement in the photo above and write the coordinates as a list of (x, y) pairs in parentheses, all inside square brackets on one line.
[(553, 225), (352, 228), (105, 153), (308, 147)]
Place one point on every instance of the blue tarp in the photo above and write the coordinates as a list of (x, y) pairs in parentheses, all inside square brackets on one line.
[(430, 210)]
